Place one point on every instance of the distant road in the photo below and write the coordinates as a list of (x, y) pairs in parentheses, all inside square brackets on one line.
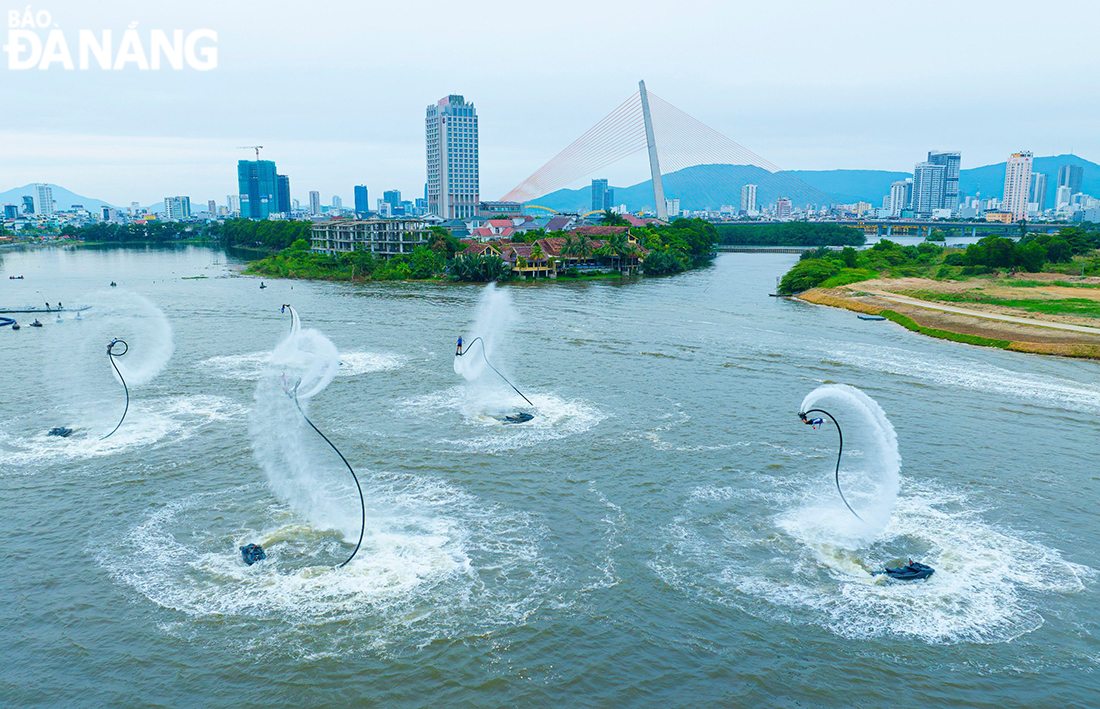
[(977, 314)]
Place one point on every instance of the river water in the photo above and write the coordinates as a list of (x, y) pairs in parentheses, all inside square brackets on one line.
[(642, 542)]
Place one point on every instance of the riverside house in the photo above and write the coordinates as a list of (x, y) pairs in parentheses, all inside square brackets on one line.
[(578, 250)]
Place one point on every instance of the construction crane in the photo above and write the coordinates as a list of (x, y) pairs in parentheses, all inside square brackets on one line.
[(252, 147)]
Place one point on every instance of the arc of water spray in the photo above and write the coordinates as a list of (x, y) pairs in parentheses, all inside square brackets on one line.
[(111, 355), (486, 358), (840, 451), (362, 501)]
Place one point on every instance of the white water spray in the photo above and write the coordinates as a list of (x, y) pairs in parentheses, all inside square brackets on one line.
[(869, 472), (300, 469), (486, 391)]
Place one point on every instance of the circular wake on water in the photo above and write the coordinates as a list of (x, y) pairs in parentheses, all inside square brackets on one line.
[(483, 431), (810, 560), (439, 563)]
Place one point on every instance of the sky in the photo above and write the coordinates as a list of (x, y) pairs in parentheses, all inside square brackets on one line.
[(336, 91)]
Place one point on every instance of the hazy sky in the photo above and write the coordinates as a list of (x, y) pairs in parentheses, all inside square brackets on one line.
[(336, 91)]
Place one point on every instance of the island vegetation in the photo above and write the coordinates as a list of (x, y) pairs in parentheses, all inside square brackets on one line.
[(1038, 294), (789, 234), (667, 249)]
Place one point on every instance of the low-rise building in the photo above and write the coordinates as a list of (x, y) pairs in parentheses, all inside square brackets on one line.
[(381, 237)]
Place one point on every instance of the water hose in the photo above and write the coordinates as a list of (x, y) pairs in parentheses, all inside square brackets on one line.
[(483, 356), (111, 354), (362, 501), (840, 451)]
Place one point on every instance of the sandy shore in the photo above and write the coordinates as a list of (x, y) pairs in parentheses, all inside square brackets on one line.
[(978, 323)]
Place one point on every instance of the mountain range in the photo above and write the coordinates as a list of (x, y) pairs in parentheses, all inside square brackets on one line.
[(711, 186)]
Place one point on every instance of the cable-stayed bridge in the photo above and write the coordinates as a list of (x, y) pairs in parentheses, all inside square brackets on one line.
[(674, 142)]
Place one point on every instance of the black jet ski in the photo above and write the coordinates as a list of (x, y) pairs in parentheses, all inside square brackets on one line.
[(113, 284), (36, 323), (60, 431), (251, 553), (262, 285), (912, 571), (518, 418)]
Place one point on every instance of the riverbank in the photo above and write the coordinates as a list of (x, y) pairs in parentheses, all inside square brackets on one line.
[(1036, 313)]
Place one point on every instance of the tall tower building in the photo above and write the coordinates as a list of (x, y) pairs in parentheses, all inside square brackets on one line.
[(451, 137), (362, 205), (177, 208), (256, 181), (43, 200), (314, 202), (748, 199), (337, 203), (1039, 190), (1071, 176), (951, 160), (211, 207), (282, 194), (392, 198), (901, 196), (1017, 185), (928, 188), (603, 197), (783, 208)]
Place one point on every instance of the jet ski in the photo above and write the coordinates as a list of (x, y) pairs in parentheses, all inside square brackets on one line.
[(60, 432), (262, 285), (251, 553), (912, 571), (36, 323), (518, 418), (113, 284)]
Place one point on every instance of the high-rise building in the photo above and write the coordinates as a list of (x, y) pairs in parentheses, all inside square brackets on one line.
[(104, 210), (783, 208), (362, 204), (43, 200), (1039, 190), (928, 188), (256, 180), (1071, 176), (672, 207), (1064, 197), (337, 203), (11, 211), (28, 204), (211, 207), (603, 197), (901, 195), (1017, 185), (282, 194), (314, 202), (177, 207), (233, 204), (392, 198), (451, 135), (748, 199), (951, 160)]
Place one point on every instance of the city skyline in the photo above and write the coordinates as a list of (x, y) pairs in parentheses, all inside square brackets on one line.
[(755, 94)]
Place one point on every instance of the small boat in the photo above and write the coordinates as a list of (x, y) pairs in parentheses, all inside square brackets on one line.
[(518, 418), (870, 317), (36, 323), (15, 278), (912, 571), (113, 284), (60, 432), (251, 553)]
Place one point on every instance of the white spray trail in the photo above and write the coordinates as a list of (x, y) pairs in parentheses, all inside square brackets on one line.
[(297, 468), (869, 471), (486, 389)]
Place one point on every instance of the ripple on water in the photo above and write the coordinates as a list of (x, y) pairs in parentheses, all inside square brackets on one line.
[(989, 586), (441, 563), (251, 366), (555, 418), (148, 422)]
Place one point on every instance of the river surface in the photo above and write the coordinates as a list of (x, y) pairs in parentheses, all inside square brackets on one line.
[(640, 543)]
